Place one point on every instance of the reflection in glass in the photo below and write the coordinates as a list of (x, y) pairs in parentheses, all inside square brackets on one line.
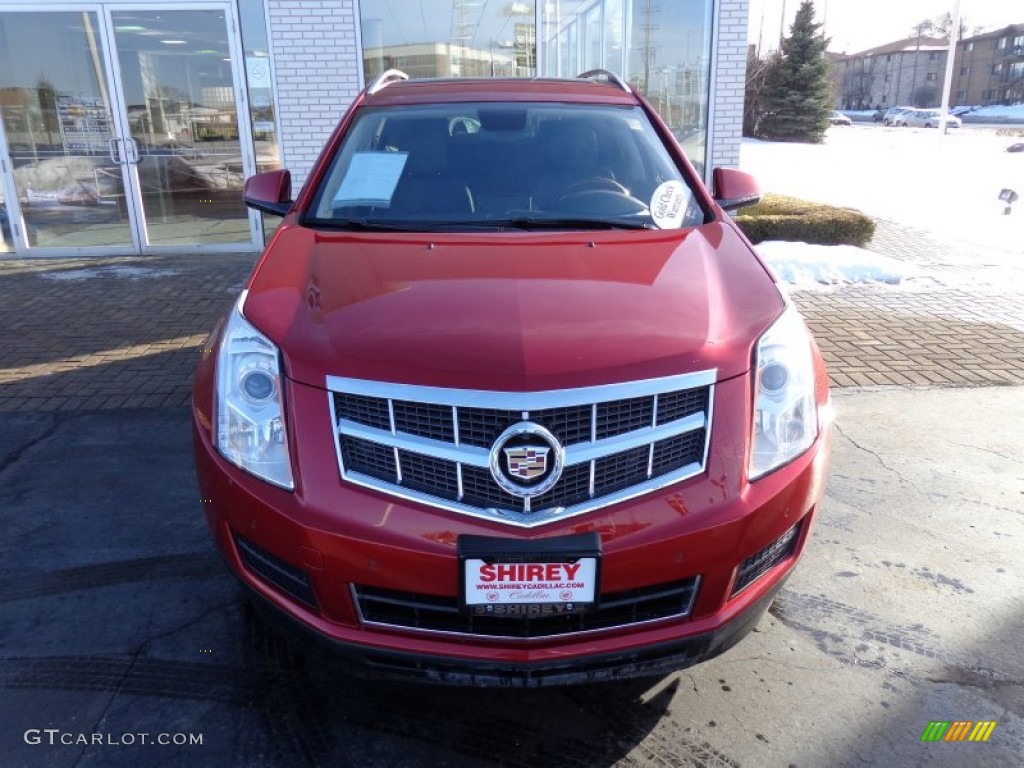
[(183, 120), (57, 117), (261, 93), (662, 49), (669, 62), (449, 38)]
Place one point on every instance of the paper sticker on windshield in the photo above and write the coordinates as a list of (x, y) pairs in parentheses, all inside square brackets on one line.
[(371, 178), (668, 205)]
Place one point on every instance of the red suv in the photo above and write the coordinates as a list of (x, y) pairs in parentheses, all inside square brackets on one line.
[(509, 399)]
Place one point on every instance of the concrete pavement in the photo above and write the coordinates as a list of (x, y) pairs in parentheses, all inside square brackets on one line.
[(119, 620)]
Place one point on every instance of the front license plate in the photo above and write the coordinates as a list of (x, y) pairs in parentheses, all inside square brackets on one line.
[(542, 577)]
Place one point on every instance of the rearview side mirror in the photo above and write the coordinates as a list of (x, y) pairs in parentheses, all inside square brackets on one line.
[(735, 189), (270, 192)]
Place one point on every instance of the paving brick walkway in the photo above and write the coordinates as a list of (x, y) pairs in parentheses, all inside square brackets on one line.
[(960, 324), (109, 333), (125, 332)]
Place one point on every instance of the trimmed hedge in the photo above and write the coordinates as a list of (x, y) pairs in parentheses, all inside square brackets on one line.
[(787, 218)]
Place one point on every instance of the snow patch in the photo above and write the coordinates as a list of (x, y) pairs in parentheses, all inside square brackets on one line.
[(803, 265), (91, 273)]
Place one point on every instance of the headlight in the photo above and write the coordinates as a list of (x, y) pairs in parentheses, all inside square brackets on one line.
[(785, 412), (250, 407)]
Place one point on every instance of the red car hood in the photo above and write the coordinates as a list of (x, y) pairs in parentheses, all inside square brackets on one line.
[(511, 312)]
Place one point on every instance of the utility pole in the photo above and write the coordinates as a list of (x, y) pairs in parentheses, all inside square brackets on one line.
[(947, 84), (782, 24), (648, 50), (460, 36)]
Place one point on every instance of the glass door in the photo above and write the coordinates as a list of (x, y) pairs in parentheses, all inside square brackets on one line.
[(186, 142), (120, 129), (64, 187)]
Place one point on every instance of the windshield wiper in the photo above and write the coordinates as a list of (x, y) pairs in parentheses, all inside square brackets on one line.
[(516, 222), (363, 225), (575, 222)]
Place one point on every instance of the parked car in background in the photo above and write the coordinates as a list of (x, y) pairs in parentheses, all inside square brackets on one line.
[(878, 116), (892, 114), (926, 118), (511, 405), (838, 118)]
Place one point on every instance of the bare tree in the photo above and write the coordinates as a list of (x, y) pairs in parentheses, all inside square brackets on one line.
[(759, 66), (941, 26)]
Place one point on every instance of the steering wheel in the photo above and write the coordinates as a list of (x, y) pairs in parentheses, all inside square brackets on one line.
[(593, 184), (599, 196)]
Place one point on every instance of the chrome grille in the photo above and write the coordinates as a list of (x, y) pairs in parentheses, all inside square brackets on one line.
[(434, 445)]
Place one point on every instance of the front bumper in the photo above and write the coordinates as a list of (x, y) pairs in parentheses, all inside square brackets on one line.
[(652, 660), (328, 536)]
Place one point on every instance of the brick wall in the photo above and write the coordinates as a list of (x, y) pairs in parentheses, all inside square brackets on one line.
[(729, 75), (317, 73)]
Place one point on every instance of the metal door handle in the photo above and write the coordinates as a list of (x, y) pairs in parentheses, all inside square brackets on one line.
[(115, 153), (133, 150)]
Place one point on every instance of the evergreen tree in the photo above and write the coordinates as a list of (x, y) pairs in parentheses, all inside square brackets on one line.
[(798, 97)]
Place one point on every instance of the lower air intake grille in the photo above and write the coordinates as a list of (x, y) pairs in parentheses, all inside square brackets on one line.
[(759, 563), (293, 581), (409, 610)]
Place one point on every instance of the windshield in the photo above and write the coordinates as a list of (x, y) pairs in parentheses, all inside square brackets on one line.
[(515, 166)]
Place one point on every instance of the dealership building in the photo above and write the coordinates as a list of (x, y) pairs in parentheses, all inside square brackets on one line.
[(129, 127)]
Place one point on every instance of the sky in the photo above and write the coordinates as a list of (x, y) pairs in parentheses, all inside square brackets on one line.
[(855, 25)]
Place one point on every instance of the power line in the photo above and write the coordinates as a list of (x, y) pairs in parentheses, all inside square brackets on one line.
[(398, 27), (479, 20), (423, 17)]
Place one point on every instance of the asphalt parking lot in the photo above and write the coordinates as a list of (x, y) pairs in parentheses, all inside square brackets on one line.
[(121, 621)]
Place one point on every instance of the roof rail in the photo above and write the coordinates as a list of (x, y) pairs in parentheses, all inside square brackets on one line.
[(385, 78), (604, 76)]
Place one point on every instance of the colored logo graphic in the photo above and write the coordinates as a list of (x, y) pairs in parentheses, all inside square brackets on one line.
[(958, 730), (527, 461)]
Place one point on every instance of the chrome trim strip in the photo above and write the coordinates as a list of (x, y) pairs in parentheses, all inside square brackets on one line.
[(481, 457), (710, 417), (438, 449), (519, 518), (337, 441), (521, 401), (355, 603), (582, 633), (581, 452)]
